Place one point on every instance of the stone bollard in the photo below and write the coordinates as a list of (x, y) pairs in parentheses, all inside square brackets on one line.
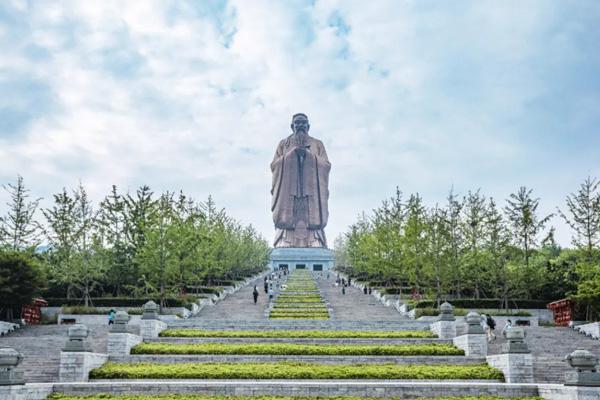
[(120, 341), (474, 342), (515, 361), (77, 339), (445, 327), (9, 359), (77, 358), (150, 325), (586, 372)]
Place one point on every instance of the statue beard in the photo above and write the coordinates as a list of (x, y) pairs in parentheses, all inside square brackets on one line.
[(302, 138)]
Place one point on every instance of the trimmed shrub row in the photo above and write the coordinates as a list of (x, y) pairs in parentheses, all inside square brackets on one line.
[(298, 334), (430, 349), (484, 303), (289, 370), (120, 301)]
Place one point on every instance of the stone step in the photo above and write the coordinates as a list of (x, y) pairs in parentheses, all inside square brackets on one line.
[(355, 388), (181, 359)]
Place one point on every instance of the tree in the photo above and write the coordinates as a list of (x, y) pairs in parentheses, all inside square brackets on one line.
[(526, 225), (415, 242), (439, 249), (472, 228), (497, 247), (61, 235), (456, 240), (20, 279), (584, 217), (157, 256), (18, 229)]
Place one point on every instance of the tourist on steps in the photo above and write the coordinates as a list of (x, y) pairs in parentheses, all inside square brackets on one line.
[(255, 294), (507, 327), (491, 323)]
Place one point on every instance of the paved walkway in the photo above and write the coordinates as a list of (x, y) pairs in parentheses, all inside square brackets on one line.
[(354, 305), (239, 306)]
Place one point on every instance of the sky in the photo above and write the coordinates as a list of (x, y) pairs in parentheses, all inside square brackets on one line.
[(195, 96)]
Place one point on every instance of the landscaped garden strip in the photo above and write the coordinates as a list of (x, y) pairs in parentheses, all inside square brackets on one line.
[(300, 299), (293, 370), (428, 349), (107, 396), (300, 334)]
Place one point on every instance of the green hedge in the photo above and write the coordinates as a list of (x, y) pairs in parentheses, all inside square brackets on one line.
[(120, 301), (81, 310), (297, 334), (293, 370), (109, 396), (430, 349), (483, 303), (461, 312)]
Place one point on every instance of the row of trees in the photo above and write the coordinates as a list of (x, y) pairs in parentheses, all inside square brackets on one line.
[(138, 244), (473, 247)]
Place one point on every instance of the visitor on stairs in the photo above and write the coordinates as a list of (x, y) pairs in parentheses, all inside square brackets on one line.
[(491, 323), (507, 327), (255, 294), (111, 317)]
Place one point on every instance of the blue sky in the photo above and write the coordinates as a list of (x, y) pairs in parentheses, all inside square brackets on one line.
[(195, 95)]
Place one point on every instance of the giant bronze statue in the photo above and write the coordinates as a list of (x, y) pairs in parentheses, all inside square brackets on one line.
[(300, 188)]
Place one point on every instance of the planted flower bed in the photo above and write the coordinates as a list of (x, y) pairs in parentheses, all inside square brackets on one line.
[(297, 334), (300, 299), (289, 370), (430, 349)]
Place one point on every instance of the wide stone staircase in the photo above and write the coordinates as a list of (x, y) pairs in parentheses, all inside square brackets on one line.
[(41, 346), (549, 346), (353, 311)]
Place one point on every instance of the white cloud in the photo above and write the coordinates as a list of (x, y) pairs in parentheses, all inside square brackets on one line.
[(156, 93)]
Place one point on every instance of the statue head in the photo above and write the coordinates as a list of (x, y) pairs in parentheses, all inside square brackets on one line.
[(300, 124)]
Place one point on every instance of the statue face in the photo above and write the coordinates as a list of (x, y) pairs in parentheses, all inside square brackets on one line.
[(300, 124)]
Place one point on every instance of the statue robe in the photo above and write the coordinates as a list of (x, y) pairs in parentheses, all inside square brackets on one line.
[(287, 186)]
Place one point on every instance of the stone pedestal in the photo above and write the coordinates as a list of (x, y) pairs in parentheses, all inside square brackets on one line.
[(120, 344), (444, 329), (76, 366), (474, 345), (9, 359), (308, 258), (516, 367), (150, 328)]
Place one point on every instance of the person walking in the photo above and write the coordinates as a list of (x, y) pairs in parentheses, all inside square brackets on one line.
[(507, 327), (255, 294), (111, 317), (491, 323), (344, 289), (266, 286), (270, 293)]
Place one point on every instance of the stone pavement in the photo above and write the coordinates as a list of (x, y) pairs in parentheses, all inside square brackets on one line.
[(41, 345), (354, 305), (239, 306)]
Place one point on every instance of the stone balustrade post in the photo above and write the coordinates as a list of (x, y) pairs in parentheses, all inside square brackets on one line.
[(515, 361), (151, 325), (77, 358), (585, 365), (9, 359), (474, 342), (120, 340), (445, 327)]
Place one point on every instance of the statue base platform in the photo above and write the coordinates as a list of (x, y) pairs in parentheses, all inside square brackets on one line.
[(308, 258)]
